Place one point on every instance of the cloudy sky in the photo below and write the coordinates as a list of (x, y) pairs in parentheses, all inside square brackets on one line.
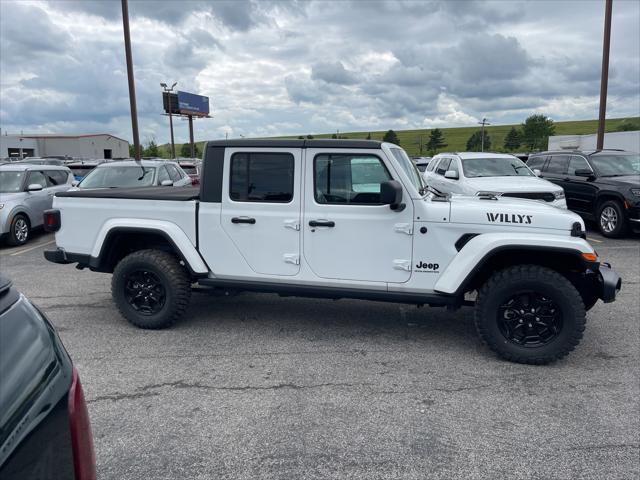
[(275, 68)]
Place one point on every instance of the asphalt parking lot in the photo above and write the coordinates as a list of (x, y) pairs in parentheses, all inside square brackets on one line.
[(258, 386)]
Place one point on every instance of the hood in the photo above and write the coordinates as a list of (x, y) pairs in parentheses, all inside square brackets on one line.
[(11, 197), (623, 180), (511, 212), (511, 184)]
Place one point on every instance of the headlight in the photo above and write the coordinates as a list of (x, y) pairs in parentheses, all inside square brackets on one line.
[(1, 206), (635, 191), (559, 195)]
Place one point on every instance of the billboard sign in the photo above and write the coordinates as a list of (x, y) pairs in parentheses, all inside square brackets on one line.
[(192, 104)]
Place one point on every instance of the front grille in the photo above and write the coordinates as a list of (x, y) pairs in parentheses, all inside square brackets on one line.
[(546, 196)]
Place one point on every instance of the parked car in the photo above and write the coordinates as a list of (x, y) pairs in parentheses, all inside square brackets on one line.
[(497, 174), (26, 191), (129, 173), (81, 168), (422, 163), (191, 169), (42, 161), (45, 432), (338, 219), (600, 185)]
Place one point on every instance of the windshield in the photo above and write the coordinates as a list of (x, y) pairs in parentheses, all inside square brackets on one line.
[(495, 167), (81, 171), (11, 182), (616, 165), (409, 168), (120, 176)]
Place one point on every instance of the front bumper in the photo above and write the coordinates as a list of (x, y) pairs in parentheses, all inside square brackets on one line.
[(609, 283)]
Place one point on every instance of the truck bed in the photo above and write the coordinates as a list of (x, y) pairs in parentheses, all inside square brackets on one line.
[(179, 194)]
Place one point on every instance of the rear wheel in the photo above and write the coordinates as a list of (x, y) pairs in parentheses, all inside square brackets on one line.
[(611, 221), (19, 230), (151, 289), (530, 314)]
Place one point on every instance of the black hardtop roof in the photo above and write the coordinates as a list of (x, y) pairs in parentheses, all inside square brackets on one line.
[(295, 143)]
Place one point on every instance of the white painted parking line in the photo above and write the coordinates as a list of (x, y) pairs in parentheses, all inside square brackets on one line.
[(25, 250), (595, 240)]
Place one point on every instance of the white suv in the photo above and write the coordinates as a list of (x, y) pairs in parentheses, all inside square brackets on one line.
[(498, 174)]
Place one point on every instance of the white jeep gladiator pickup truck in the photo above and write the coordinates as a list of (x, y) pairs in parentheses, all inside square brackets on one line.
[(338, 219)]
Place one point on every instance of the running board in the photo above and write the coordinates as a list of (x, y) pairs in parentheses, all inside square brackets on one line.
[(335, 293)]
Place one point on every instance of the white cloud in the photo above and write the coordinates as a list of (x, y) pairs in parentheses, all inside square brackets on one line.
[(275, 68)]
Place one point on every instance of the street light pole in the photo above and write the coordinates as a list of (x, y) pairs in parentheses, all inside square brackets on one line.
[(168, 91), (483, 123), (604, 79), (132, 86)]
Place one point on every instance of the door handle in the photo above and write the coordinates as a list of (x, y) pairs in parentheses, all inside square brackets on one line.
[(243, 220), (322, 223)]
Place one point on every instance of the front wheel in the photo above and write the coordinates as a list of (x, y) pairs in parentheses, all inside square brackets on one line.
[(19, 230), (611, 219), (530, 314), (151, 289)]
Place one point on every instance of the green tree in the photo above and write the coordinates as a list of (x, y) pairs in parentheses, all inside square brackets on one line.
[(391, 137), (512, 141), (334, 136), (132, 150), (309, 137), (151, 150), (300, 137), (436, 140), (185, 150), (369, 136), (536, 131), (474, 144)]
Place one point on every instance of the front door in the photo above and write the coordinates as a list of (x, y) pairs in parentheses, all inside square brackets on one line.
[(261, 208), (579, 191), (37, 201), (348, 234)]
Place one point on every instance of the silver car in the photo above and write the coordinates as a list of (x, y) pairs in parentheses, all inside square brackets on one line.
[(26, 191), (129, 173)]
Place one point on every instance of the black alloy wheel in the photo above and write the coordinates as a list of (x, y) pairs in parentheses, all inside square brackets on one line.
[(144, 292), (529, 319)]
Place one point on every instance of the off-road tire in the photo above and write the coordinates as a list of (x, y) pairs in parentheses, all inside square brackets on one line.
[(545, 281), (621, 222), (173, 277), (13, 237)]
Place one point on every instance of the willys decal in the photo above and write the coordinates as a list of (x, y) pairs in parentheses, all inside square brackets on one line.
[(509, 218)]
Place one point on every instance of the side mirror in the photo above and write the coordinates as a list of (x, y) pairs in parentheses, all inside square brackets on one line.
[(537, 172), (391, 194), (166, 183), (583, 172), (34, 187), (451, 175), (75, 183)]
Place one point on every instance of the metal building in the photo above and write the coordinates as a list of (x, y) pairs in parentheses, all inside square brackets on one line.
[(621, 140), (100, 145)]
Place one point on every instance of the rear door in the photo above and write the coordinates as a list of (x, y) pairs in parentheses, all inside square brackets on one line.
[(348, 234), (556, 169), (261, 207)]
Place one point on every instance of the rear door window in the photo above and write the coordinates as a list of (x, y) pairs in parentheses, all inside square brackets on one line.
[(261, 177), (163, 174), (536, 162), (558, 164), (55, 177), (173, 173)]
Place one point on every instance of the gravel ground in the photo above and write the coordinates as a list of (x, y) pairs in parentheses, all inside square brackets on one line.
[(257, 386)]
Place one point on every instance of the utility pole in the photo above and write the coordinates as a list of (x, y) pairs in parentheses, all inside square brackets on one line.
[(132, 86), (483, 123), (168, 91), (193, 147), (604, 79)]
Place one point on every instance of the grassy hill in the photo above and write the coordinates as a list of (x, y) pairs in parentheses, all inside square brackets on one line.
[(456, 138)]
